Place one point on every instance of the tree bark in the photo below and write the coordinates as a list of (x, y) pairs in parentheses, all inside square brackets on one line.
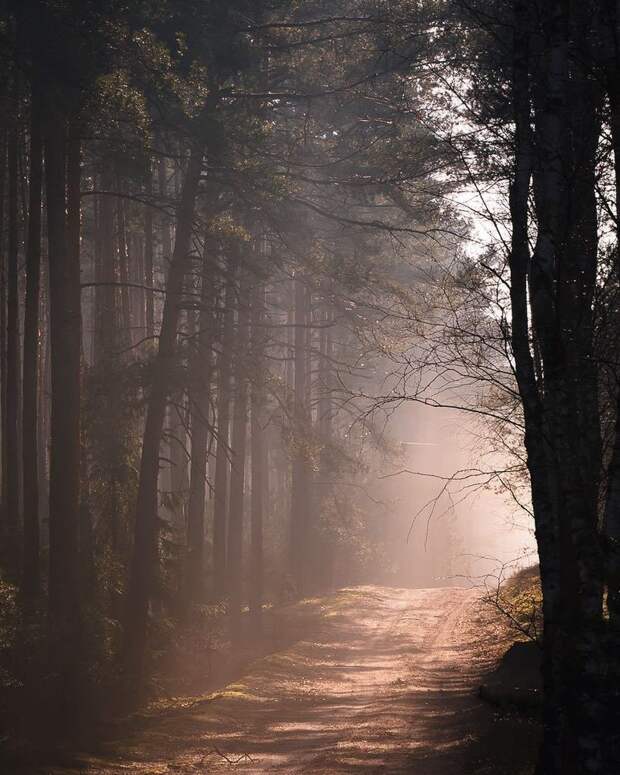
[(325, 423), (300, 489), (145, 552), (65, 340), (149, 275), (224, 368), (177, 445), (126, 330), (562, 414), (237, 473), (201, 368), (164, 221), (611, 69), (258, 458), (12, 356), (543, 500), (3, 343), (31, 574), (106, 340)]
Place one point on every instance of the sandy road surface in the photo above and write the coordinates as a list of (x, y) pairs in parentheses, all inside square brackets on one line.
[(384, 684)]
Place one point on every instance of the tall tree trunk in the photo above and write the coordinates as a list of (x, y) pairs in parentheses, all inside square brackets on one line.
[(177, 444), (105, 293), (108, 345), (45, 389), (74, 228), (30, 579), (314, 558), (325, 423), (289, 369), (237, 473), (541, 475), (12, 355), (97, 274), (562, 416), (201, 368), (149, 275), (300, 490), (224, 367), (65, 338), (164, 221), (258, 458), (611, 36), (126, 331), (176, 431), (145, 552), (3, 342), (137, 294)]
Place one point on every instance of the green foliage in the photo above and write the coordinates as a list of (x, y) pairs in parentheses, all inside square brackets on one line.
[(122, 128)]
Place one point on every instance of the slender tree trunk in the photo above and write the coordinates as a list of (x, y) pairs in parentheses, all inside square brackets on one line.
[(258, 458), (135, 252), (31, 575), (45, 390), (108, 347), (74, 228), (177, 444), (237, 474), (201, 368), (224, 365), (325, 423), (149, 275), (314, 558), (611, 34), (145, 552), (3, 348), (65, 338), (164, 221), (105, 294), (289, 371), (12, 356), (98, 275), (541, 476), (300, 493), (176, 431), (126, 331)]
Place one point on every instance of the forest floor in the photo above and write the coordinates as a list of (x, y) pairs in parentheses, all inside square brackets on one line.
[(374, 680)]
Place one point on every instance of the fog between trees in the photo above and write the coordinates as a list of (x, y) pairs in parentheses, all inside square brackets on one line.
[(281, 281)]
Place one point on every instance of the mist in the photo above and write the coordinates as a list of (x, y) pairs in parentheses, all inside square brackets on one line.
[(446, 533), (310, 387)]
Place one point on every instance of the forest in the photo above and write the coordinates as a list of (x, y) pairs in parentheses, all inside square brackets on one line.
[(310, 386)]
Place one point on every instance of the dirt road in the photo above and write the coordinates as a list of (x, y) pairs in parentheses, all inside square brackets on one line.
[(384, 684)]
